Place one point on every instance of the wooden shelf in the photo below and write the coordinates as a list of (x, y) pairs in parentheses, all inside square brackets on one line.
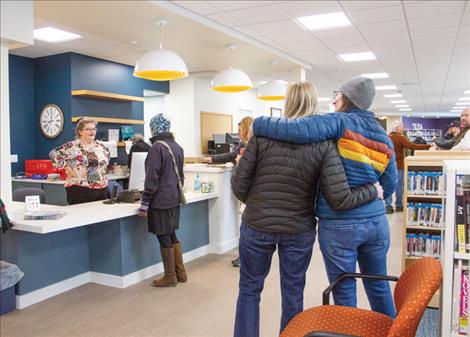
[(425, 228), (106, 95), (418, 257), (425, 196), (111, 120)]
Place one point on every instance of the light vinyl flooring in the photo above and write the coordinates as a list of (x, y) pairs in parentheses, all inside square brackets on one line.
[(203, 307)]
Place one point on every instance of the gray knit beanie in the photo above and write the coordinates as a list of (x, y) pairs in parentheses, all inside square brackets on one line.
[(360, 91), (159, 124)]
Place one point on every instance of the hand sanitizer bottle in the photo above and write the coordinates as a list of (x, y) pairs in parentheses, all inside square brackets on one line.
[(197, 183)]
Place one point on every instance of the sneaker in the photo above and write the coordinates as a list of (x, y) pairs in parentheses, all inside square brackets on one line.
[(236, 262), (399, 209), (390, 210)]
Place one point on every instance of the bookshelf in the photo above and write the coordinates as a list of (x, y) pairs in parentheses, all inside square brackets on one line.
[(428, 134), (426, 161), (453, 260)]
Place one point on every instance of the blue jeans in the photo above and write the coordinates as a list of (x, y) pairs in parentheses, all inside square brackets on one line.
[(342, 243), (256, 251), (398, 192)]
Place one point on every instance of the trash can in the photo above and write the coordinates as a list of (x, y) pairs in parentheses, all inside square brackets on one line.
[(10, 275)]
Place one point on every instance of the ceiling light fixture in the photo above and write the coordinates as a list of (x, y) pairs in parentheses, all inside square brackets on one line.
[(231, 80), (393, 95), (466, 92), (355, 57), (161, 64), (376, 75), (324, 99), (407, 109), (458, 108), (454, 110), (462, 103), (464, 99), (399, 101), (386, 87), (54, 35), (402, 106), (273, 90), (323, 21)]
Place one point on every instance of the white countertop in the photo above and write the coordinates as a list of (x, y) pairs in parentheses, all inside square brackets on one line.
[(206, 168), (61, 182), (82, 214)]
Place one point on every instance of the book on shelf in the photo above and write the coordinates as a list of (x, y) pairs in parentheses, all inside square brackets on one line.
[(422, 244), (457, 285), (462, 215), (425, 183), (463, 312), (424, 214)]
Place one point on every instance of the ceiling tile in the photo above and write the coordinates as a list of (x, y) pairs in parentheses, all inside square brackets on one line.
[(351, 5), (248, 31), (225, 19), (200, 7), (303, 46), (448, 20), (259, 14), (383, 28), (433, 8), (381, 14), (278, 27), (434, 33), (225, 5), (306, 8), (292, 37), (345, 42)]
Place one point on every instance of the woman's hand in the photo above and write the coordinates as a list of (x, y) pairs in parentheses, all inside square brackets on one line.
[(380, 190), (207, 160), (143, 211)]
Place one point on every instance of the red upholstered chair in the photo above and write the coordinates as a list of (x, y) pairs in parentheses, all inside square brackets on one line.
[(413, 292)]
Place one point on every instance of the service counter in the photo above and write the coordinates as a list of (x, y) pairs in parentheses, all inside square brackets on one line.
[(110, 244)]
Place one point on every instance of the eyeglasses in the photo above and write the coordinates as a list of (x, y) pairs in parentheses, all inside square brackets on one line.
[(94, 129)]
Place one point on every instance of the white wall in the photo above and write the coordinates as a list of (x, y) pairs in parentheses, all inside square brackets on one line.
[(153, 105), (190, 96), (17, 23)]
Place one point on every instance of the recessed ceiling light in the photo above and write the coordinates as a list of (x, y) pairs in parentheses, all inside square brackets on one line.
[(385, 87), (393, 95), (464, 99), (54, 35), (407, 109), (324, 21), (375, 75), (355, 57), (423, 117), (462, 103), (458, 108), (407, 115), (324, 99), (455, 110), (399, 101), (438, 116), (466, 92), (402, 106), (283, 82), (262, 82)]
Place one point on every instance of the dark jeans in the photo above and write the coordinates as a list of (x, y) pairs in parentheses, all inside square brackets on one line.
[(80, 195), (256, 251), (398, 191), (167, 240), (366, 241)]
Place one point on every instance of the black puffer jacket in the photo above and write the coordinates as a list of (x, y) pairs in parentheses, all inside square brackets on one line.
[(279, 183)]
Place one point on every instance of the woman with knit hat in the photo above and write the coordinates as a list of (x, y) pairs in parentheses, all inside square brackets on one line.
[(160, 198), (362, 234)]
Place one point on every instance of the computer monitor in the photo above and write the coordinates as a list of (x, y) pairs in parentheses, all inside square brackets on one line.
[(137, 174), (232, 138), (219, 138)]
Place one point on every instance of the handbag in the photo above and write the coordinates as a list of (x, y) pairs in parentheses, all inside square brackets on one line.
[(181, 196)]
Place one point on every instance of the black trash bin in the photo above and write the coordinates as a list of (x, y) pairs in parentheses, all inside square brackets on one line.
[(10, 275)]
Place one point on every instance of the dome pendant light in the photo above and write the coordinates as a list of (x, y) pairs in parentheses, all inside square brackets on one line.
[(231, 80), (161, 64), (273, 90)]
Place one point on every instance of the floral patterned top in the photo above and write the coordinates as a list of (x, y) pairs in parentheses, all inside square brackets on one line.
[(88, 163)]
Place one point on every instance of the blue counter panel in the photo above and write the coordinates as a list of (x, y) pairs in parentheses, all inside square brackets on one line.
[(117, 247)]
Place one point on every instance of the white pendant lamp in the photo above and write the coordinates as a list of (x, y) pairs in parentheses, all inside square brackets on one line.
[(161, 64), (272, 90), (231, 80)]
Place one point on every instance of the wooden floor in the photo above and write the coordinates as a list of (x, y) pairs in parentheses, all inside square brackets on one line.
[(203, 307)]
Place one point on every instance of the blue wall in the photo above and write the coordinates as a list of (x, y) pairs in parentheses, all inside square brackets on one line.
[(37, 82), (22, 117)]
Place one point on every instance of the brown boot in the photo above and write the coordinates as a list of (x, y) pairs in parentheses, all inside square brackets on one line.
[(180, 271), (169, 277)]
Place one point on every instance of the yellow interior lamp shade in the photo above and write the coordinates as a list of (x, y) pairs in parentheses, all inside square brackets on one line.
[(161, 65), (272, 91), (231, 80)]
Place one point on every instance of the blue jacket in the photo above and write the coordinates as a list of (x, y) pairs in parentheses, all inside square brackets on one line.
[(365, 149)]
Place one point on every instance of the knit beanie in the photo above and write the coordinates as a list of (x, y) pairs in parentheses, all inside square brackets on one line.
[(360, 91), (159, 124)]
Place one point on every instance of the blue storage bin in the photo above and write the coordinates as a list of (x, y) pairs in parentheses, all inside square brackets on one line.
[(7, 300)]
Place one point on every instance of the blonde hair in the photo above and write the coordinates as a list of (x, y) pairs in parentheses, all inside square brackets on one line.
[(81, 125), (301, 100), (244, 126)]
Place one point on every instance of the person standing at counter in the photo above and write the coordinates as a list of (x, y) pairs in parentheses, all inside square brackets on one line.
[(160, 198), (85, 162), (138, 145)]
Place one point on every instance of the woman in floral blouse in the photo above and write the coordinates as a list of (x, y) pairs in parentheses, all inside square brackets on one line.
[(85, 162)]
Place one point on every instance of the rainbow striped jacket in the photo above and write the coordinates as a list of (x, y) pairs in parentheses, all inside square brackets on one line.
[(366, 151)]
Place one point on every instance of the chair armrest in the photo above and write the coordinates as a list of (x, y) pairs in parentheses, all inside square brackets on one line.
[(327, 334), (326, 293)]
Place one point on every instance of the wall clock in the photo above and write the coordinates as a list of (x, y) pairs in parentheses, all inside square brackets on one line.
[(51, 121)]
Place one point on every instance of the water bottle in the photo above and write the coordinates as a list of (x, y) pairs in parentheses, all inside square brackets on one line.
[(197, 183)]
